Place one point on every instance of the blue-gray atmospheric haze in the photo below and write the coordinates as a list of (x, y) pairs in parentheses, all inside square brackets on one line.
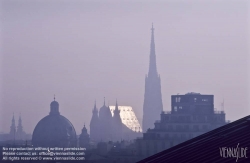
[(85, 50)]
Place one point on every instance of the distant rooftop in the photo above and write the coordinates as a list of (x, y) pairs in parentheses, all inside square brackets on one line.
[(192, 93), (128, 117)]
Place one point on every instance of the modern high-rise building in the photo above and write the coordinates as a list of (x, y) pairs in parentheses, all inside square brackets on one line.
[(152, 106), (191, 115)]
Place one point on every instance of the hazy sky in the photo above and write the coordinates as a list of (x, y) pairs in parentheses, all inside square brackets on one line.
[(85, 50)]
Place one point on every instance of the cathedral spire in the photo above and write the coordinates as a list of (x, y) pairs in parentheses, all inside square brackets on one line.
[(152, 106), (152, 59)]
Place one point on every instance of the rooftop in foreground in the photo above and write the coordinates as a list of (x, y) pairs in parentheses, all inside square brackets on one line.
[(209, 147)]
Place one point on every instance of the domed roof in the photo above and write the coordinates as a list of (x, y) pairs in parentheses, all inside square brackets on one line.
[(105, 112), (54, 130), (54, 103)]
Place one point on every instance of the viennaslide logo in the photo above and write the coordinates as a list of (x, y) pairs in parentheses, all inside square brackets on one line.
[(233, 152)]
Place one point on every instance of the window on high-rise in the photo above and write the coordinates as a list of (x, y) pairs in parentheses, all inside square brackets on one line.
[(178, 99)]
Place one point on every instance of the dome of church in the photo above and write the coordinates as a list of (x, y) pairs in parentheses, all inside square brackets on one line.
[(54, 130), (54, 103)]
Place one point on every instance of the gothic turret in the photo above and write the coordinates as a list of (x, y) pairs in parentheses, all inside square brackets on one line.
[(117, 124), (20, 135), (13, 129), (105, 118), (94, 125), (117, 112), (152, 106)]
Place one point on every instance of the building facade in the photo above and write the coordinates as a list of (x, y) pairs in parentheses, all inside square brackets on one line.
[(152, 106), (191, 115)]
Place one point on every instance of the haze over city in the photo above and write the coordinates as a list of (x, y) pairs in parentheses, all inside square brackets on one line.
[(83, 51)]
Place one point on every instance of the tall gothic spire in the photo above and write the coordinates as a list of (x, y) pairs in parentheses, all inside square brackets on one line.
[(152, 59), (152, 106)]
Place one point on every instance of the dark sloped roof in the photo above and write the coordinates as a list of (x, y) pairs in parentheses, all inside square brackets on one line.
[(206, 147)]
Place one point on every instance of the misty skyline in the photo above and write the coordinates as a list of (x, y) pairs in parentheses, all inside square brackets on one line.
[(83, 51)]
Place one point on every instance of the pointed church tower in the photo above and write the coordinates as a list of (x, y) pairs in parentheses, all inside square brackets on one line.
[(117, 124), (94, 125), (13, 129), (20, 133), (105, 119), (117, 113), (152, 106)]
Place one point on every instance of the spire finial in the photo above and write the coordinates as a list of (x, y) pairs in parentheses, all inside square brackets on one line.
[(54, 97), (104, 101), (116, 107), (152, 27), (116, 104), (13, 118), (84, 124)]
